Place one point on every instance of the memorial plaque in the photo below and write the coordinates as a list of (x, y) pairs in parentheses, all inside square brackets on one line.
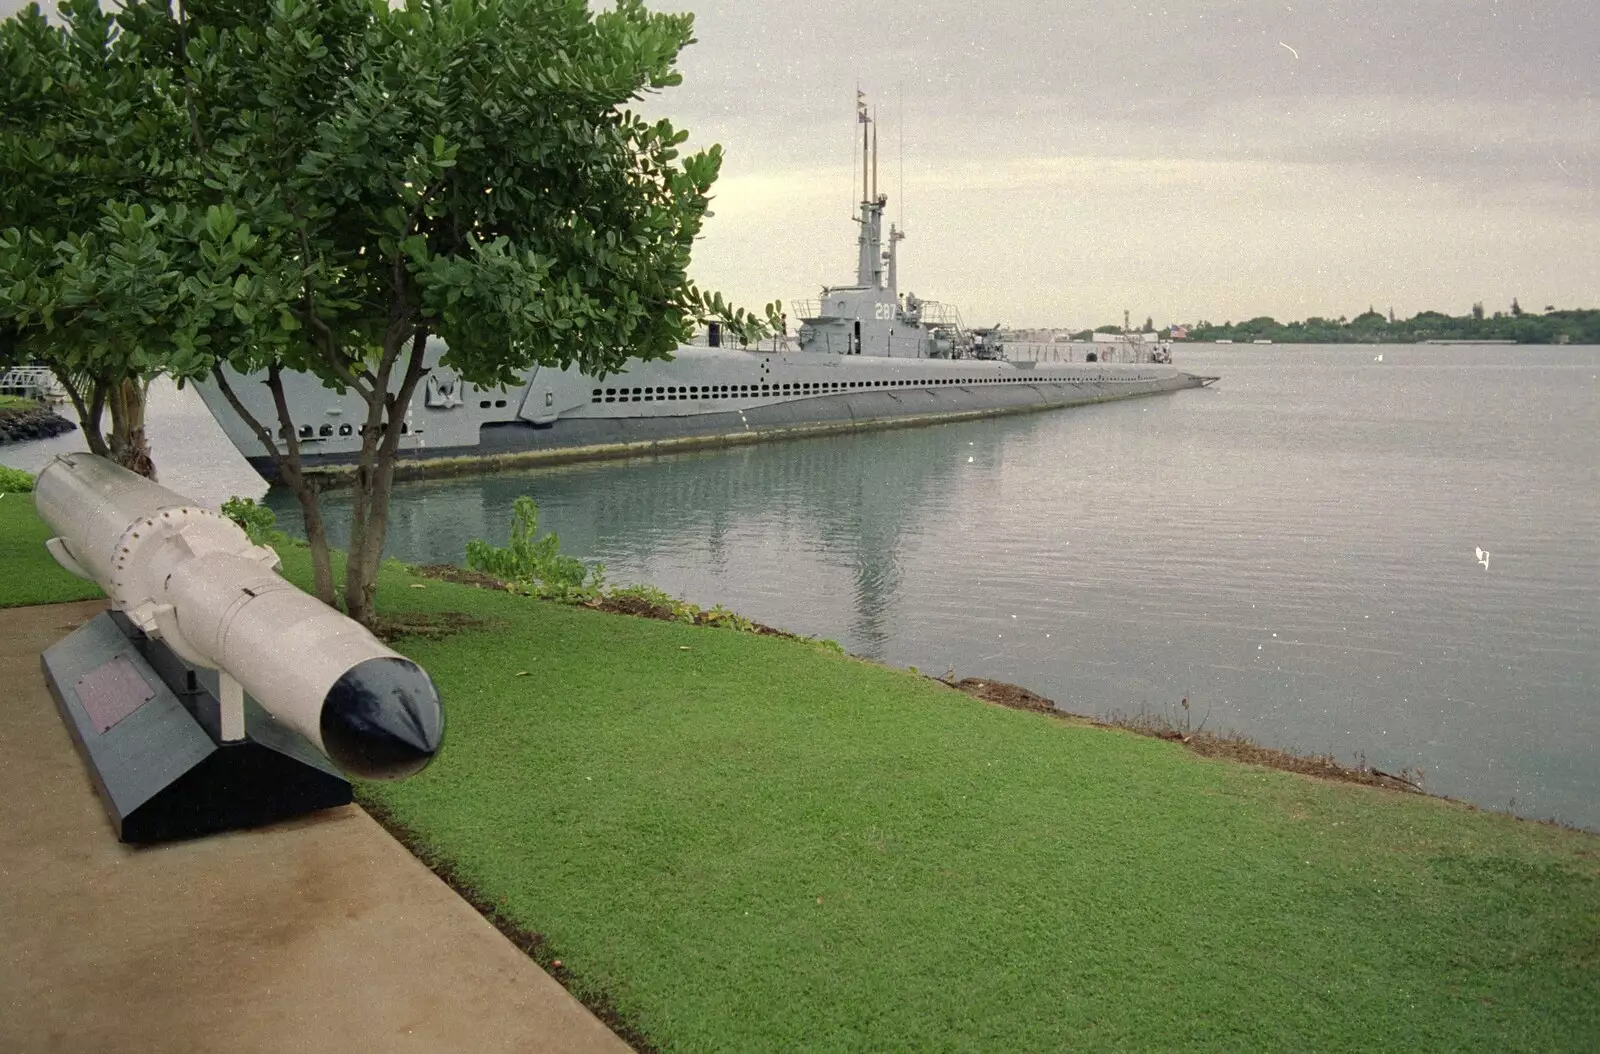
[(112, 691)]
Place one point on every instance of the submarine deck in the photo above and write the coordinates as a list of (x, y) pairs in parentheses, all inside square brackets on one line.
[(519, 444)]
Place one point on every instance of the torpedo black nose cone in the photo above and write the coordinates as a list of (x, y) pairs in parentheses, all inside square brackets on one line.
[(382, 719)]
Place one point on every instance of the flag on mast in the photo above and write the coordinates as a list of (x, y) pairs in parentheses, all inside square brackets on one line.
[(861, 107)]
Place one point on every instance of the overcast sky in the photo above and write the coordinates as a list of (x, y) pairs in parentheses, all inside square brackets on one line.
[(1192, 159), (1064, 161)]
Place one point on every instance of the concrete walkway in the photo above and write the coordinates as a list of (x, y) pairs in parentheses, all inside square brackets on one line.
[(319, 935)]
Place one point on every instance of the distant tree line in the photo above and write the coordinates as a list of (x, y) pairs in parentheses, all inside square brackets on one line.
[(1576, 326)]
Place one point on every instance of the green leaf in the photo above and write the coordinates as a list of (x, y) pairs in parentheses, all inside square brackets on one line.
[(247, 198)]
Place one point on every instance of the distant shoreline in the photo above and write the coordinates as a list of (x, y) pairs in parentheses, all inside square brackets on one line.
[(1437, 342), (1514, 326)]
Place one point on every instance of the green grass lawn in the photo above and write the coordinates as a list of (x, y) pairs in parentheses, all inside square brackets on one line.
[(18, 402), (29, 574), (746, 844)]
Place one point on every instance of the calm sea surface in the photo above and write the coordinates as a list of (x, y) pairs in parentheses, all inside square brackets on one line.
[(1293, 551)]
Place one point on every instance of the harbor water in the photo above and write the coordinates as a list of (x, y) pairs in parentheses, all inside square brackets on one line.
[(1295, 552)]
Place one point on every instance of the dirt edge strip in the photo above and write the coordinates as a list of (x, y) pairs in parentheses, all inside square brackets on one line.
[(530, 943), (638, 607), (1231, 746)]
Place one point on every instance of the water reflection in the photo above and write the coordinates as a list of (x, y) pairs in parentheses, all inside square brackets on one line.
[(832, 504), (1294, 553)]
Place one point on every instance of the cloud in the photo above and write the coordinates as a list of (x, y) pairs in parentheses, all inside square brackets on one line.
[(1078, 239), (1066, 160)]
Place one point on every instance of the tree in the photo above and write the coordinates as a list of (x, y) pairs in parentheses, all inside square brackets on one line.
[(88, 142), (466, 169), (1516, 308), (348, 179)]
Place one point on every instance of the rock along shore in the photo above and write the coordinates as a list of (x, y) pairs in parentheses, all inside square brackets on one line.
[(19, 426)]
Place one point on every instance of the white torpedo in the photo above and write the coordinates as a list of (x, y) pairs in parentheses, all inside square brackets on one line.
[(192, 578)]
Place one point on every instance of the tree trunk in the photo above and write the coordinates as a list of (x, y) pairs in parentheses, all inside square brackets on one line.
[(305, 491), (128, 445), (316, 535), (366, 548), (369, 523), (358, 584), (293, 478), (90, 413)]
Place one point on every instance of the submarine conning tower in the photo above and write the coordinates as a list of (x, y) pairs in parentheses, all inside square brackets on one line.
[(870, 317)]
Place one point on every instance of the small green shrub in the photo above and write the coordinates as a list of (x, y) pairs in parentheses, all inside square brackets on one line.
[(536, 565), (660, 599), (721, 617), (649, 594), (258, 521), (15, 481)]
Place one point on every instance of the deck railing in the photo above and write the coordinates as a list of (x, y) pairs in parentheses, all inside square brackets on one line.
[(775, 342), (1078, 351)]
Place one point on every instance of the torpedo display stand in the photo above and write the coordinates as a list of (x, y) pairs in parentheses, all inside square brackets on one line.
[(177, 751), (154, 691)]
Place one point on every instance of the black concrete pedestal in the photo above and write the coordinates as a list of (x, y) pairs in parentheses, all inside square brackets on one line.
[(148, 726)]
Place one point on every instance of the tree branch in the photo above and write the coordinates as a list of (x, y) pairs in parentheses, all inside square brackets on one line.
[(422, 203), (258, 428), (330, 351), (188, 81), (275, 385), (88, 419), (414, 369), (401, 286), (65, 380), (305, 490)]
